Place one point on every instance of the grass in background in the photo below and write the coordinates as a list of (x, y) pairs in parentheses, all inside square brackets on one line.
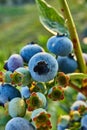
[(20, 25)]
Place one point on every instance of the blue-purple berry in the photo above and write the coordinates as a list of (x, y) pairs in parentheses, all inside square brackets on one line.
[(43, 67), (25, 92), (84, 122), (19, 123), (15, 61), (8, 92), (60, 127), (60, 45), (29, 50), (67, 64)]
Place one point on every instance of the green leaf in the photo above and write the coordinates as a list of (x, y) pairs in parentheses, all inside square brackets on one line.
[(50, 19)]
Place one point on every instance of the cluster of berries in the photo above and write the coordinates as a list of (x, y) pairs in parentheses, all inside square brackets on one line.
[(33, 76), (77, 117)]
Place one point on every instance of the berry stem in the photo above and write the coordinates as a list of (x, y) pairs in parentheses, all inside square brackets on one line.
[(80, 76), (82, 90), (74, 87), (73, 34)]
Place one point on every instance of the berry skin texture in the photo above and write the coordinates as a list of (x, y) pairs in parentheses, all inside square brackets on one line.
[(18, 123), (67, 64), (15, 61), (25, 92), (8, 92), (60, 45), (29, 50), (17, 107), (60, 127), (43, 67), (84, 122)]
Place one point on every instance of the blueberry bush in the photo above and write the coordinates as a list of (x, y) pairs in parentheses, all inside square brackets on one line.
[(35, 78)]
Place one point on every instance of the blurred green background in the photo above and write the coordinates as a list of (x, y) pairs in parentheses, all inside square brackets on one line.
[(19, 25)]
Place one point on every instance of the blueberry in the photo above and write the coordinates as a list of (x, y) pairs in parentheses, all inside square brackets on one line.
[(64, 120), (6, 66), (41, 118), (17, 107), (36, 100), (60, 45), (60, 127), (26, 75), (15, 61), (84, 122), (80, 96), (25, 92), (67, 64), (8, 92), (77, 104), (19, 123), (43, 67), (75, 115), (29, 50)]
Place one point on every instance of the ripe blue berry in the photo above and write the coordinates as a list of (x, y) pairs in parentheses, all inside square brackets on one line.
[(60, 45), (8, 92), (60, 127), (15, 61), (67, 64), (6, 66), (29, 50), (18, 123), (43, 67), (25, 92), (84, 122)]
